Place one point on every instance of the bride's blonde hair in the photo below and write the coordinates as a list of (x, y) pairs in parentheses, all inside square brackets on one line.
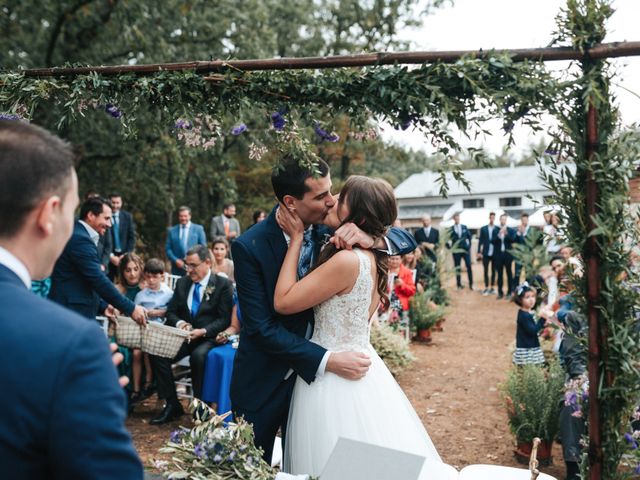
[(372, 207)]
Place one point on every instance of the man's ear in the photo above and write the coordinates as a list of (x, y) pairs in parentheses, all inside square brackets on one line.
[(47, 213), (289, 202)]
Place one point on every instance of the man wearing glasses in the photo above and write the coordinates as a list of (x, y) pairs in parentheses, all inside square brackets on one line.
[(201, 304)]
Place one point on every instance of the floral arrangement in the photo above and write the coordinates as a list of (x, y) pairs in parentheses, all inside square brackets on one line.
[(391, 348), (576, 395), (424, 312)]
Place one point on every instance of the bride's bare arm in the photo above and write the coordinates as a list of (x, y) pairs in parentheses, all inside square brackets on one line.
[(335, 276)]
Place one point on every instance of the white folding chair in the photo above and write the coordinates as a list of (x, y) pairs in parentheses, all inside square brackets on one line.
[(171, 280), (104, 324), (182, 374)]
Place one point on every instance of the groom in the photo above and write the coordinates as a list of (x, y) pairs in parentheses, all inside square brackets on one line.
[(275, 348)]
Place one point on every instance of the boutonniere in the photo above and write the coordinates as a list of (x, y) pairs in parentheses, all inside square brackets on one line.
[(208, 292)]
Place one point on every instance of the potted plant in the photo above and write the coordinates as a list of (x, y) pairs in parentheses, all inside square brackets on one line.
[(532, 396), (424, 314)]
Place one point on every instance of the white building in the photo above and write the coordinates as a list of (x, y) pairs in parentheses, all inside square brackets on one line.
[(512, 189)]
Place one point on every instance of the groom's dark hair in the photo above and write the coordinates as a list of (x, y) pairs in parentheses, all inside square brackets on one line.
[(288, 178)]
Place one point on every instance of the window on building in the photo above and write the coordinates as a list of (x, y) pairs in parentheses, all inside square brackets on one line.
[(511, 202), (473, 203)]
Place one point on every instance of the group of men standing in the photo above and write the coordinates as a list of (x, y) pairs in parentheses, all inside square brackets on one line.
[(494, 250)]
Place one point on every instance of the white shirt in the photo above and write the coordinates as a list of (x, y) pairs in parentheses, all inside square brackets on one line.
[(490, 228), (184, 231), (10, 261), (95, 236)]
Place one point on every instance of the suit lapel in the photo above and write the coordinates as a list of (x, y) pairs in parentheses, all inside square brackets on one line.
[(276, 240)]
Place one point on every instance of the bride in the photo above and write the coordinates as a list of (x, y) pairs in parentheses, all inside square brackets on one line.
[(345, 289)]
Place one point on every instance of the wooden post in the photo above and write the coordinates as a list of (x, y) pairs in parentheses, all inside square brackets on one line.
[(592, 267)]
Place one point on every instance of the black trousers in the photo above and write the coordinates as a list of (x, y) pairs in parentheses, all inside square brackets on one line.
[(457, 258), (486, 261), (503, 261), (273, 415), (198, 350)]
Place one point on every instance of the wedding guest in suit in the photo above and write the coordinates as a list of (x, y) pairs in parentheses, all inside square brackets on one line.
[(105, 245), (78, 282), (122, 233), (62, 411), (201, 304), (485, 253), (181, 238), (225, 225), (522, 233), (428, 237), (502, 257), (461, 240)]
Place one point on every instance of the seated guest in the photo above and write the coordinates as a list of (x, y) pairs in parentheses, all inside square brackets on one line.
[(221, 261), (234, 327), (129, 281), (155, 297), (78, 282), (201, 304), (62, 410)]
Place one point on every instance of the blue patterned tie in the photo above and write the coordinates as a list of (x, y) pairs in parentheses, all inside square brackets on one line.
[(195, 300), (306, 252)]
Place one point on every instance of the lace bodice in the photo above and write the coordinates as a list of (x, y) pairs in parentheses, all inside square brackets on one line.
[(342, 322)]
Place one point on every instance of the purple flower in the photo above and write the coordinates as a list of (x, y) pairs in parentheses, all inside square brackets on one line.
[(570, 398), (551, 151), (238, 130), (199, 451), (278, 120), (176, 436), (324, 135), (112, 110), (631, 441), (9, 116), (637, 469), (182, 124)]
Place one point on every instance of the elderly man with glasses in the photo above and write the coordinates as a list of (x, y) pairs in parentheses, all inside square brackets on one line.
[(201, 304)]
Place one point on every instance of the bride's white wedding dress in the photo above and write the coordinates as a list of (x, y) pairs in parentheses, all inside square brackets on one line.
[(373, 410)]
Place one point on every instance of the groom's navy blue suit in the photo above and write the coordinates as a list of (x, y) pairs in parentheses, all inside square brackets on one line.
[(271, 344)]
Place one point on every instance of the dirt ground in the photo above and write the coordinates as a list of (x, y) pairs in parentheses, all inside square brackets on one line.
[(453, 385)]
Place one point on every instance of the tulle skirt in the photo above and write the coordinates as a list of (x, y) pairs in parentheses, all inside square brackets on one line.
[(373, 410)]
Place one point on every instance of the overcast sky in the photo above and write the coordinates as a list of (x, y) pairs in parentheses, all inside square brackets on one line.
[(501, 24)]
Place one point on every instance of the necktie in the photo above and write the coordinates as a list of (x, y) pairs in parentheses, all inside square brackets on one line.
[(195, 300), (183, 238), (306, 252), (226, 227), (116, 233)]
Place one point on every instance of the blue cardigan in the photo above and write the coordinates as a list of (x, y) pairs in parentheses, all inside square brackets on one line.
[(527, 331)]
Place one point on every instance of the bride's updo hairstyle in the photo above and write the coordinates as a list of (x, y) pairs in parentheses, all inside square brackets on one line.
[(372, 207)]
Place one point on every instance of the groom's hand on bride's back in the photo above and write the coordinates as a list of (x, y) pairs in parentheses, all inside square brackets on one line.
[(349, 365)]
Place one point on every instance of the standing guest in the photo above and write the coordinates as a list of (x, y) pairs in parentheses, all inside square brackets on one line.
[(221, 261), (155, 297), (258, 216), (122, 233), (522, 234), (225, 225), (181, 238), (63, 412), (502, 257), (401, 283), (428, 237), (130, 270), (105, 246), (485, 253), (528, 351), (461, 240), (552, 234), (201, 304), (78, 282)]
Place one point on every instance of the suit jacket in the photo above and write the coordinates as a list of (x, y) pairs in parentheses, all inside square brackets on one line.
[(434, 237), (174, 247), (509, 239), (127, 229), (217, 227), (214, 313), (271, 343), (105, 249), (484, 242), (62, 412), (520, 238), (78, 282), (464, 240)]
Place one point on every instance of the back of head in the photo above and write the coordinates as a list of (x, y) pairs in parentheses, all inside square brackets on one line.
[(372, 204), (288, 178), (34, 164)]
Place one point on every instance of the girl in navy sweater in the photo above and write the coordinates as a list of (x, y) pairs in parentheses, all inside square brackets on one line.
[(528, 349)]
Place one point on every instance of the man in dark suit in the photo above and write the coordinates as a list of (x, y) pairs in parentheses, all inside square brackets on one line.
[(485, 253), (181, 238), (122, 234), (523, 232), (274, 348), (201, 304), (428, 237), (460, 240), (225, 225), (502, 257), (62, 410), (78, 282)]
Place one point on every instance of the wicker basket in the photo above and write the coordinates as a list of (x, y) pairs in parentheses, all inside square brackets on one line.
[(127, 332), (162, 340)]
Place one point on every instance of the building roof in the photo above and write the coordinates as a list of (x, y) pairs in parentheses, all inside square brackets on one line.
[(482, 181)]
